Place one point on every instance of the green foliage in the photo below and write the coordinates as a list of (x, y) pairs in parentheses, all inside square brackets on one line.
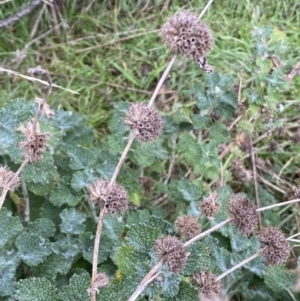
[(49, 256), (36, 289), (279, 279), (77, 289)]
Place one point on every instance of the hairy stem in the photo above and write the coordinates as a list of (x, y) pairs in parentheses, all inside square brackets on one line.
[(205, 233), (239, 265), (252, 155), (123, 157), (161, 81), (278, 205), (147, 279), (26, 199), (96, 250)]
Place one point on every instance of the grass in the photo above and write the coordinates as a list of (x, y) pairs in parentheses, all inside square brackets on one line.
[(111, 51)]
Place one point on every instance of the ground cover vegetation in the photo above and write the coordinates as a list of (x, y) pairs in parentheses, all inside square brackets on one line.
[(186, 193)]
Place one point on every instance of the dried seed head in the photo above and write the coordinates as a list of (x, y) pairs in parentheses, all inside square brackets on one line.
[(171, 250), (46, 109), (35, 144), (7, 180), (240, 172), (113, 197), (184, 34), (207, 284), (296, 191), (145, 121), (273, 245), (209, 206), (187, 226), (245, 217), (101, 280)]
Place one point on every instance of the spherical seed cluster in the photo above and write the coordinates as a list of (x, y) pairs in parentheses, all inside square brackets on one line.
[(145, 121), (187, 226), (240, 172), (245, 217), (113, 197), (208, 205), (184, 34), (171, 250), (35, 144), (207, 284), (273, 245), (7, 180)]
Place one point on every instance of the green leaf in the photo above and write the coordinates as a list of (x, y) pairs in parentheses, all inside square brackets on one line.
[(63, 194), (159, 223), (80, 157), (77, 289), (69, 247), (74, 127), (145, 154), (278, 279), (82, 178), (36, 289), (200, 122), (189, 190), (113, 227), (54, 264), (137, 217), (12, 115), (219, 133), (186, 293), (33, 249), (43, 227), (42, 172), (10, 227), (130, 261), (9, 262), (199, 259), (86, 242), (72, 221), (142, 237)]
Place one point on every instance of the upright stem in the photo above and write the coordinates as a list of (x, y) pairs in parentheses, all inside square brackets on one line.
[(278, 205), (26, 199), (96, 249), (161, 81), (255, 179), (239, 265), (123, 157), (203, 234), (2, 197), (147, 279)]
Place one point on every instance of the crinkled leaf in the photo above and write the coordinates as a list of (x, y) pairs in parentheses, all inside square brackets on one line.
[(43, 227), (68, 247), (186, 293), (159, 223), (33, 249), (145, 154), (9, 261), (142, 237), (80, 157), (130, 261), (86, 241), (10, 227), (279, 279), (82, 178), (54, 264), (199, 259), (113, 227), (72, 221), (63, 194), (36, 289), (219, 133), (200, 122), (189, 190), (42, 172), (137, 217), (77, 289)]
